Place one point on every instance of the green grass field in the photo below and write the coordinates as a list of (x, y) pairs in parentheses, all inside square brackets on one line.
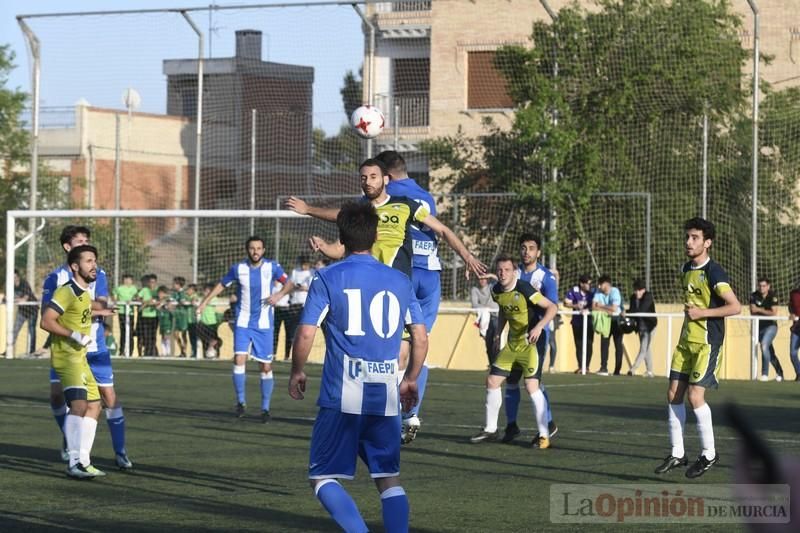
[(197, 468)]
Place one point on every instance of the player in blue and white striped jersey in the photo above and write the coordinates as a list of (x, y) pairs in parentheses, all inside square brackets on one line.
[(363, 306), (253, 326), (97, 354)]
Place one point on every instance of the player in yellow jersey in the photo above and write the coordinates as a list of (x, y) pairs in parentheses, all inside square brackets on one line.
[(708, 299), (68, 318), (517, 301)]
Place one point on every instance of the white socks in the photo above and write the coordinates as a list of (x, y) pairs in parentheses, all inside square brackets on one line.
[(677, 419), (706, 430), (494, 399), (540, 410), (88, 430), (72, 434)]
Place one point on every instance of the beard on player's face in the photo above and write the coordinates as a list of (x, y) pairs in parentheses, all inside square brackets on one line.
[(372, 192)]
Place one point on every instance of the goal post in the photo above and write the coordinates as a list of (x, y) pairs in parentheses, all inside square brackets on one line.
[(236, 221)]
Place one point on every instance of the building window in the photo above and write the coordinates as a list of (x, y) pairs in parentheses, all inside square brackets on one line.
[(486, 86), (412, 5), (411, 86)]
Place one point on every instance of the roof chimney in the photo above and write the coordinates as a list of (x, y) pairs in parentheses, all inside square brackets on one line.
[(248, 44)]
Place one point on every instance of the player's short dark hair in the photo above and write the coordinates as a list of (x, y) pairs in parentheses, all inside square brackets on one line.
[(502, 258), (638, 284), (179, 280), (192, 286), (706, 226), (152, 277), (358, 226), (162, 288), (254, 238), (303, 258), (69, 232), (585, 278), (373, 162), (525, 237), (126, 276), (605, 278), (74, 255), (393, 161), (764, 280)]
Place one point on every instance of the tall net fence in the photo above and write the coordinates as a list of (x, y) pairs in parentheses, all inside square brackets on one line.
[(573, 127)]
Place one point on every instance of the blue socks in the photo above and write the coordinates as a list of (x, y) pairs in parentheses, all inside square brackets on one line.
[(267, 384), (512, 402), (422, 382), (60, 414), (341, 507), (116, 426), (395, 510), (238, 382)]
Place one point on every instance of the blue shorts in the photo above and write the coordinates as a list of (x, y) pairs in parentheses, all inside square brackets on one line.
[(338, 439), (100, 364), (428, 290), (256, 342)]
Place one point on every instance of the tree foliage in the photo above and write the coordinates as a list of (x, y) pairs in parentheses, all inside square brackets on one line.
[(614, 98)]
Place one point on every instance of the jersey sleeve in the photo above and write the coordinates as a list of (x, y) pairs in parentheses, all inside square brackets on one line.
[(532, 296), (49, 288), (230, 277), (420, 212), (61, 300), (317, 303), (278, 273), (101, 285), (718, 279), (414, 313), (550, 287)]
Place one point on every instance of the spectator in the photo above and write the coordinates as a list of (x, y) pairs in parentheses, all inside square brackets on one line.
[(763, 303), (147, 325), (181, 313), (642, 302), (124, 296), (321, 263), (794, 324), (608, 300), (301, 277), (580, 298), (207, 327), (192, 300), (486, 309), (166, 320), (25, 313), (281, 317)]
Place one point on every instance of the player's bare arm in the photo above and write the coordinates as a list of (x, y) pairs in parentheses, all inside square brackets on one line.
[(474, 265), (301, 348), (409, 394), (550, 310), (331, 250), (273, 299), (51, 325), (731, 307), (302, 208)]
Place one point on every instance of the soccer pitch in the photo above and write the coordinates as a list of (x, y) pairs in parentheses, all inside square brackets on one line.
[(198, 468)]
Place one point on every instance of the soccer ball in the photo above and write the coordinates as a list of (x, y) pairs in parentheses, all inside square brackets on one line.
[(367, 121)]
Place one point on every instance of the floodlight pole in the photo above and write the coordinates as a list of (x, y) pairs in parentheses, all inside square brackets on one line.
[(34, 46), (754, 206), (552, 259), (199, 144), (370, 65)]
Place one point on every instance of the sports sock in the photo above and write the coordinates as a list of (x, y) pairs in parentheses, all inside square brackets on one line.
[(72, 433), (705, 428), (676, 420), (422, 382), (512, 402), (60, 414), (340, 506), (395, 510), (546, 402), (494, 399), (116, 426), (239, 377), (267, 384), (540, 411), (88, 430)]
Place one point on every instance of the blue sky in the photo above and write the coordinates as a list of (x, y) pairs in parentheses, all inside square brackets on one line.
[(97, 58)]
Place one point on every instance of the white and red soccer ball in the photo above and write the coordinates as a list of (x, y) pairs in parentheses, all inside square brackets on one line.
[(367, 121)]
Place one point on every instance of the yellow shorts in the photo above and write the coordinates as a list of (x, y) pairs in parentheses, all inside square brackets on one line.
[(526, 356), (76, 377), (697, 363)]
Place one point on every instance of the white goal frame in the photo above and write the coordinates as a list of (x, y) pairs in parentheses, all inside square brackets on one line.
[(14, 215)]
